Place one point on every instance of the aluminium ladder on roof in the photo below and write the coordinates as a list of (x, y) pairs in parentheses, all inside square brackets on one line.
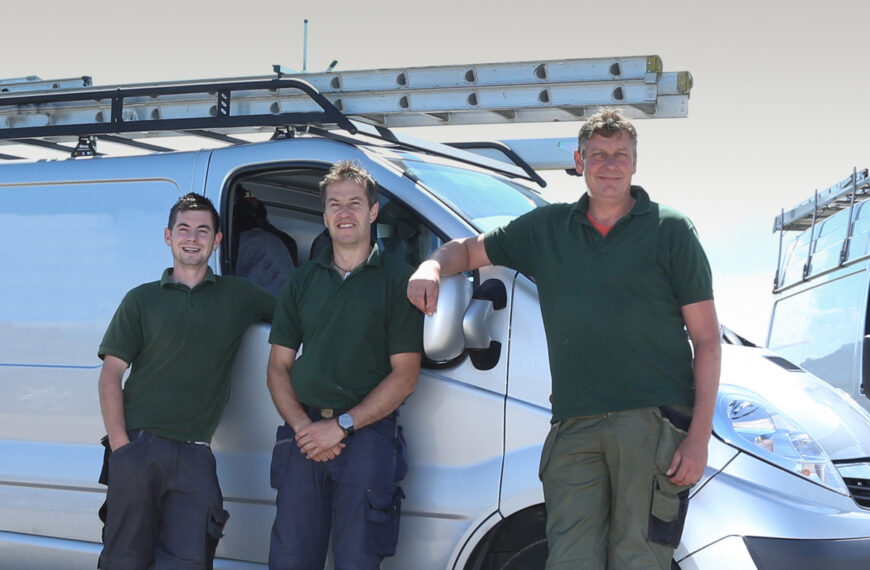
[(804, 216), (539, 91), (825, 203)]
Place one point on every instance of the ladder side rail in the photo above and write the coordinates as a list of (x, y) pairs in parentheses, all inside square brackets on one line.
[(531, 72), (776, 278), (844, 250), (811, 243)]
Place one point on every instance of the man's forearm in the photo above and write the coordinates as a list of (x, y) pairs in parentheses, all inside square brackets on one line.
[(112, 401), (707, 362), (451, 258), (388, 395), (284, 397)]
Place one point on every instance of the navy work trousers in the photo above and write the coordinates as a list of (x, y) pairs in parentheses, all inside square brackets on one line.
[(356, 495), (164, 508)]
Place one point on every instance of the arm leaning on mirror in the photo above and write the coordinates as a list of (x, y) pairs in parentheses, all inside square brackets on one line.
[(456, 256)]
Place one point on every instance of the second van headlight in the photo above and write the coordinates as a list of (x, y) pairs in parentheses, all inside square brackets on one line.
[(752, 424)]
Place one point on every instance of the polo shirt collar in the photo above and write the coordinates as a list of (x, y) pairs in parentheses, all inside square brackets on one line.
[(325, 257), (641, 205), (166, 278)]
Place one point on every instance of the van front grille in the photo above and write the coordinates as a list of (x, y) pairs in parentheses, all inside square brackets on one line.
[(860, 490)]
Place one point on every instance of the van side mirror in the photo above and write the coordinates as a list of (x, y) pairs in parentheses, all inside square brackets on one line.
[(461, 322), (443, 338)]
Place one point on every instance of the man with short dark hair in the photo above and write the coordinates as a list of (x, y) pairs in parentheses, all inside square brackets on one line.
[(339, 457), (179, 337), (620, 279)]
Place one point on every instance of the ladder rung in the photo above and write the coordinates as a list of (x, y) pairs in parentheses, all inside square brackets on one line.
[(831, 200)]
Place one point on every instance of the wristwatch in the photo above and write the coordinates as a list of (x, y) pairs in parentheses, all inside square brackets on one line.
[(345, 422)]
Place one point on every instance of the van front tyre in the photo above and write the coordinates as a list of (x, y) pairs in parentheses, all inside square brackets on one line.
[(531, 556)]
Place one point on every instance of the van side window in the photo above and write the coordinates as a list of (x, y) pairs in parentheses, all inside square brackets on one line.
[(819, 328)]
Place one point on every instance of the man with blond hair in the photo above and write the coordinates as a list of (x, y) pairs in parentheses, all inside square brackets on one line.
[(621, 281), (339, 457)]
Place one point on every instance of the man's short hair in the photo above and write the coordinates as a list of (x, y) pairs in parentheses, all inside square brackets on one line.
[(190, 202), (347, 170), (607, 123)]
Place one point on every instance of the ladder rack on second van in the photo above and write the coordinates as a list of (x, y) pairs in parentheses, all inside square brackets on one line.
[(806, 215)]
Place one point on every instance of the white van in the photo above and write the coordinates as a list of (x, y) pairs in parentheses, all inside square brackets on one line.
[(787, 478), (820, 314)]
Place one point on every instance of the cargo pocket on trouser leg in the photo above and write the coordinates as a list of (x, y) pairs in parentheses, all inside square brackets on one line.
[(667, 514), (214, 531), (670, 502), (383, 510), (284, 437)]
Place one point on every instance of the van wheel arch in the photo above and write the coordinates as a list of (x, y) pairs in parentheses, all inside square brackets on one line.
[(517, 542)]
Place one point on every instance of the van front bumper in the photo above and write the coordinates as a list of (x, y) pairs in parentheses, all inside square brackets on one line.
[(843, 554)]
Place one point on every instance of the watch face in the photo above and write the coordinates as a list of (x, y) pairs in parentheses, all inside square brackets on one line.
[(345, 421)]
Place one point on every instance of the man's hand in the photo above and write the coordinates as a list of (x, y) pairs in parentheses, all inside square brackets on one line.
[(320, 441), (120, 441), (689, 461), (423, 286)]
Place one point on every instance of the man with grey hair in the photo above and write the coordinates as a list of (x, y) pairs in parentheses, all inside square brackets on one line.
[(621, 280), (339, 457)]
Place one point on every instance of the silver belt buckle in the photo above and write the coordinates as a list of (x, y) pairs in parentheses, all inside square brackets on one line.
[(327, 413)]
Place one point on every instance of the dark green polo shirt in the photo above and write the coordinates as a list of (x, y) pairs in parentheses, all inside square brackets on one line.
[(348, 329), (180, 344), (611, 305)]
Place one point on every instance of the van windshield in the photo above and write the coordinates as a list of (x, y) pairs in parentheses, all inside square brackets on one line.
[(485, 199)]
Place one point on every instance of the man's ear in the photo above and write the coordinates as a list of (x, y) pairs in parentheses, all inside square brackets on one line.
[(217, 240), (578, 163), (373, 212), (167, 236)]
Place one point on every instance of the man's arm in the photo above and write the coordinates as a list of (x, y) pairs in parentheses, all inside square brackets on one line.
[(456, 256), (112, 400), (691, 456), (281, 359), (319, 437)]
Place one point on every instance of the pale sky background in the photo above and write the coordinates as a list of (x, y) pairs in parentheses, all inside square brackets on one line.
[(777, 109)]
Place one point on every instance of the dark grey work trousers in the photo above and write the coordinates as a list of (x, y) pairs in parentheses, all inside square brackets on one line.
[(164, 508)]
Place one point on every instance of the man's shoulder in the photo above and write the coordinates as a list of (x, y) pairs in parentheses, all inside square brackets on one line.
[(143, 290), (671, 217), (540, 216), (394, 266), (554, 210)]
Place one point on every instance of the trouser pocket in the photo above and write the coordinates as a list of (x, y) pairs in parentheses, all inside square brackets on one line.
[(670, 502), (214, 531), (284, 438), (401, 455), (667, 513), (547, 450), (383, 510)]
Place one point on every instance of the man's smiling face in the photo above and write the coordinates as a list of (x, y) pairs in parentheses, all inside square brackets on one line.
[(347, 213), (193, 238)]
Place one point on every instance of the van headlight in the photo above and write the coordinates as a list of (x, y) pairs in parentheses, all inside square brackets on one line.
[(752, 424)]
